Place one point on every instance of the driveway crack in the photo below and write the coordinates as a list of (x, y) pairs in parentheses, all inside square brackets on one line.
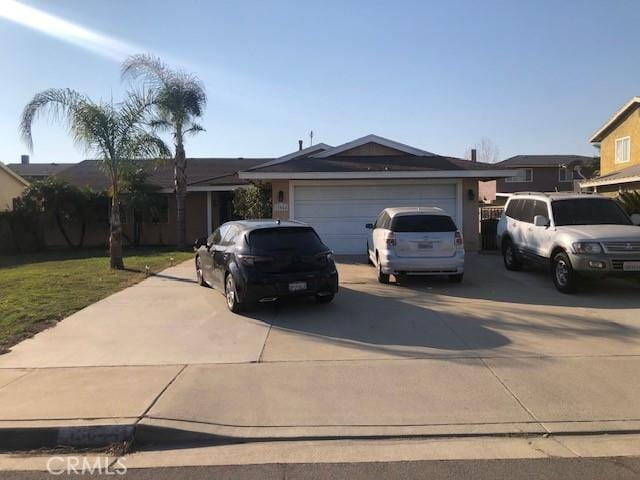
[(266, 338)]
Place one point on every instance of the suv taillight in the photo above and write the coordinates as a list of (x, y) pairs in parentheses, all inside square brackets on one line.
[(391, 239), (458, 239)]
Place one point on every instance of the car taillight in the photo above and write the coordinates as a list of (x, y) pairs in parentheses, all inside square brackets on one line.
[(458, 239), (251, 260), (391, 239)]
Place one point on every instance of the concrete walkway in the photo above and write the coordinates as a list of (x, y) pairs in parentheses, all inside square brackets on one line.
[(503, 353)]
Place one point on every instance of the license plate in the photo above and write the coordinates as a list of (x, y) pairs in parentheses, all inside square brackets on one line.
[(631, 266), (297, 286), (425, 245)]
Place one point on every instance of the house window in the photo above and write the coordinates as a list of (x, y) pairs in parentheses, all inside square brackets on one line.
[(623, 147), (158, 210), (524, 175), (565, 174)]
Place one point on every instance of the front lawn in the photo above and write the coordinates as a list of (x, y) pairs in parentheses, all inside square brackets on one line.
[(37, 290)]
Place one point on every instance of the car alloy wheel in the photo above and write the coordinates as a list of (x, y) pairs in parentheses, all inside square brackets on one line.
[(231, 295), (562, 272), (511, 261)]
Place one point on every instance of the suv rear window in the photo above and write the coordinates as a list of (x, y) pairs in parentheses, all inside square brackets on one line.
[(588, 211), (286, 239), (422, 223)]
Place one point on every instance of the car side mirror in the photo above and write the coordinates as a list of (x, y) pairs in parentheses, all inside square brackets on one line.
[(635, 219), (540, 221), (201, 242), (369, 226)]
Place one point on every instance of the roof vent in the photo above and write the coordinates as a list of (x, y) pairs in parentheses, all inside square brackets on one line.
[(299, 145), (24, 159), (474, 155)]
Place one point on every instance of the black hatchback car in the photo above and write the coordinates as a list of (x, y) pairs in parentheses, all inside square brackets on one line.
[(263, 260)]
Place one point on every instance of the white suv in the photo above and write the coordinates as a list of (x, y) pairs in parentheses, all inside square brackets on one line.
[(573, 234), (415, 240)]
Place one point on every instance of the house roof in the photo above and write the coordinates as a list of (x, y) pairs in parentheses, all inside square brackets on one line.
[(39, 169), (200, 171), (543, 161), (13, 174), (403, 162), (626, 175), (626, 109)]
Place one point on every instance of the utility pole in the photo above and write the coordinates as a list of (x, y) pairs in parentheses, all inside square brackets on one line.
[(311, 138)]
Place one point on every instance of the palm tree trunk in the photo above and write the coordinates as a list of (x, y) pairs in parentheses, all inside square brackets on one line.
[(115, 236), (181, 194)]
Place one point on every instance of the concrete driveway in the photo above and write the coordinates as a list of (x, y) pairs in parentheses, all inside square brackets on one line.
[(502, 352)]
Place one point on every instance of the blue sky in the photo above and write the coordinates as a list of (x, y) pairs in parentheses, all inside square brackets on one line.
[(534, 77)]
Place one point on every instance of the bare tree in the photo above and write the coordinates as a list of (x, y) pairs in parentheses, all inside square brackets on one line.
[(486, 151)]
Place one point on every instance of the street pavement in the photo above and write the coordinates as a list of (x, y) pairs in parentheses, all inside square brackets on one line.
[(501, 353)]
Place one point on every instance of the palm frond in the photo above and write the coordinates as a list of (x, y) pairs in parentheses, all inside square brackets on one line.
[(194, 129), (60, 103), (151, 69)]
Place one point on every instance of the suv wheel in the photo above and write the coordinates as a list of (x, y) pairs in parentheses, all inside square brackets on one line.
[(510, 257), (382, 277), (564, 277), (231, 295)]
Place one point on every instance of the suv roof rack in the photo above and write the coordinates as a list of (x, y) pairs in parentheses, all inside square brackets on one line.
[(531, 193)]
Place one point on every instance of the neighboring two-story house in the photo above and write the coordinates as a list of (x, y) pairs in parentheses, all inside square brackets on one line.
[(538, 173), (11, 186), (619, 141)]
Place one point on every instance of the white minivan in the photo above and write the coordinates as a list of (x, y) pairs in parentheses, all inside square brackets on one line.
[(415, 241)]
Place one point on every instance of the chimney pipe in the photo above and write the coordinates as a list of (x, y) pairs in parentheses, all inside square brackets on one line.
[(24, 159), (474, 155), (299, 144)]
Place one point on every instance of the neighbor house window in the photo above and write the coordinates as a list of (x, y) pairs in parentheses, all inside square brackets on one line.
[(524, 175), (565, 174), (623, 147)]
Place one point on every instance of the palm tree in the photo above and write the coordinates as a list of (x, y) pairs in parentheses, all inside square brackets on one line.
[(114, 133), (179, 100)]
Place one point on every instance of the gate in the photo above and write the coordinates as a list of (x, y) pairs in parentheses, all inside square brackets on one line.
[(489, 217)]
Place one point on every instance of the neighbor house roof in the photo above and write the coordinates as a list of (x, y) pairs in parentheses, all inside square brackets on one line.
[(621, 114), (400, 161), (201, 172), (34, 170), (626, 175), (543, 161)]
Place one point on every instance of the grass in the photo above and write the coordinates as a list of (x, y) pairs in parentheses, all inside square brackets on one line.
[(37, 290)]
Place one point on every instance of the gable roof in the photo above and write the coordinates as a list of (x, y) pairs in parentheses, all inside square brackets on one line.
[(202, 172), (385, 142), (409, 162), (543, 161), (305, 152), (604, 129), (39, 169), (13, 174)]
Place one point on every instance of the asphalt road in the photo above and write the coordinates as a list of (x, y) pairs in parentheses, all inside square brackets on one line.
[(618, 468)]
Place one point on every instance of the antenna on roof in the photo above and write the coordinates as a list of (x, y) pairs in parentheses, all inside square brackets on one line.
[(311, 137)]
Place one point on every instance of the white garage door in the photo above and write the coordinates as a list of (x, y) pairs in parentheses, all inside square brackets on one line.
[(339, 212)]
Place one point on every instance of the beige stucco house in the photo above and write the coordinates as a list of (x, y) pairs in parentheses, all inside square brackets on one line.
[(11, 186), (340, 189), (619, 140)]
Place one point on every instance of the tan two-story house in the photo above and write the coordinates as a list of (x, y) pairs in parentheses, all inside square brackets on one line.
[(619, 140), (11, 186)]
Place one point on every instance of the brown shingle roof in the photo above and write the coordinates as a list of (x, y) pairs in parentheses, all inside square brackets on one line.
[(38, 169), (391, 163), (219, 171), (543, 161)]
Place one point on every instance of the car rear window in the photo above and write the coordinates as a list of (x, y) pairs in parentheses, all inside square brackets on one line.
[(285, 239), (588, 211), (422, 223)]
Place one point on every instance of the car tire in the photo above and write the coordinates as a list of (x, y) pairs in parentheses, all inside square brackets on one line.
[(510, 257), (382, 277), (199, 274), (457, 278), (324, 298), (230, 294), (565, 278)]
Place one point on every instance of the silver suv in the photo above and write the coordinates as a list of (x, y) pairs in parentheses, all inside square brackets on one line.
[(572, 234)]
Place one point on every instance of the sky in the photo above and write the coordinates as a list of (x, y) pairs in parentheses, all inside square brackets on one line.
[(534, 77)]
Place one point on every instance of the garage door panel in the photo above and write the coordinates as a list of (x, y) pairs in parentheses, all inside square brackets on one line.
[(339, 212)]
